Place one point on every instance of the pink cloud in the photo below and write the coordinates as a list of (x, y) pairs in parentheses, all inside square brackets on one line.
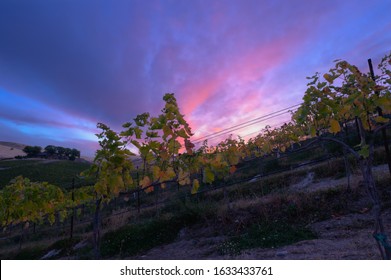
[(235, 90)]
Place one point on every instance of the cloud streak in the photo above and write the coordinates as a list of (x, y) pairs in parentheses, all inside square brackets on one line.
[(66, 65)]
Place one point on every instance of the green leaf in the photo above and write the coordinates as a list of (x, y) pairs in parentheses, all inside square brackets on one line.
[(182, 133), (156, 172), (138, 132), (195, 187), (174, 146), (364, 152), (152, 134), (321, 85), (381, 119), (384, 103), (208, 176), (183, 178), (334, 126), (167, 131), (145, 182), (328, 78), (313, 131), (136, 143)]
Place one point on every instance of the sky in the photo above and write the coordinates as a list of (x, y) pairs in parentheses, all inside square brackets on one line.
[(67, 65)]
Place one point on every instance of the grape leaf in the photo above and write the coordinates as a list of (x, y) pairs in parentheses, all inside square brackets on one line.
[(145, 182), (195, 187), (334, 126)]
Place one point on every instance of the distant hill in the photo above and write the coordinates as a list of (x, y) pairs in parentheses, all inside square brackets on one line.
[(11, 149)]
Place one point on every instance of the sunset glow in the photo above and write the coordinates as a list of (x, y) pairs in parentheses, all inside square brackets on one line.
[(66, 65)]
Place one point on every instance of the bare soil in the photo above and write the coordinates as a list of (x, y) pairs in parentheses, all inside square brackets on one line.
[(347, 237), (342, 237)]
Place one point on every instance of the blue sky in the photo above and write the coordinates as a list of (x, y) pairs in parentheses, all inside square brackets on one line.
[(66, 65)]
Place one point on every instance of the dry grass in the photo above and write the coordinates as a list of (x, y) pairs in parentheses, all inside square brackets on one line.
[(11, 151)]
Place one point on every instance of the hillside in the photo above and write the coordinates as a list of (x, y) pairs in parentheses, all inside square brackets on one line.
[(57, 172), (263, 211), (11, 150), (309, 219)]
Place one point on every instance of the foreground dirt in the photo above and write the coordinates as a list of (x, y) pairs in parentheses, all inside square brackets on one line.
[(343, 237), (347, 237)]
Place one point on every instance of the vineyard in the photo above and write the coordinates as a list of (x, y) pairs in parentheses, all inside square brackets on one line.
[(259, 193)]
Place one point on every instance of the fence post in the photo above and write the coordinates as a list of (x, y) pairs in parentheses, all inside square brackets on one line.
[(380, 112), (138, 200), (73, 208)]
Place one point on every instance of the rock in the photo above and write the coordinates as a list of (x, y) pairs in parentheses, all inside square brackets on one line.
[(50, 254), (282, 253), (80, 245)]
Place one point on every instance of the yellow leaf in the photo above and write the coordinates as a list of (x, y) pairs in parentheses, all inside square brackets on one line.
[(208, 176), (384, 103), (381, 119), (364, 152), (267, 147), (51, 218), (233, 157), (313, 131), (364, 121), (116, 184), (183, 178), (128, 180), (166, 131), (101, 187), (328, 78), (167, 175), (149, 190), (145, 182), (196, 186), (182, 133), (156, 172), (334, 126)]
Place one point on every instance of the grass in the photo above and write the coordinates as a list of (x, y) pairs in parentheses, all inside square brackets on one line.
[(64, 246), (136, 238), (31, 253), (58, 173), (266, 235)]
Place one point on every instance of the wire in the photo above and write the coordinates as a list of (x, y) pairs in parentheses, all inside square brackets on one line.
[(242, 125), (273, 126), (245, 124)]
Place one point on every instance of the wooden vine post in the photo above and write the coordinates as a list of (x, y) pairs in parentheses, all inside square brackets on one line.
[(348, 94), (380, 112), (112, 167)]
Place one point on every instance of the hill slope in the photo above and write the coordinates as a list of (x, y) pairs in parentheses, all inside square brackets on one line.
[(11, 150)]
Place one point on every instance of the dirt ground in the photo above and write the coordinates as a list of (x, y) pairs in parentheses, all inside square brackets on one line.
[(348, 237), (343, 237)]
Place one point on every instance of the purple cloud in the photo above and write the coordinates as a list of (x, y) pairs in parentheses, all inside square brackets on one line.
[(74, 63)]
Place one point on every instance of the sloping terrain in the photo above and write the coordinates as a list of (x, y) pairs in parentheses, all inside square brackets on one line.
[(11, 150), (344, 236)]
